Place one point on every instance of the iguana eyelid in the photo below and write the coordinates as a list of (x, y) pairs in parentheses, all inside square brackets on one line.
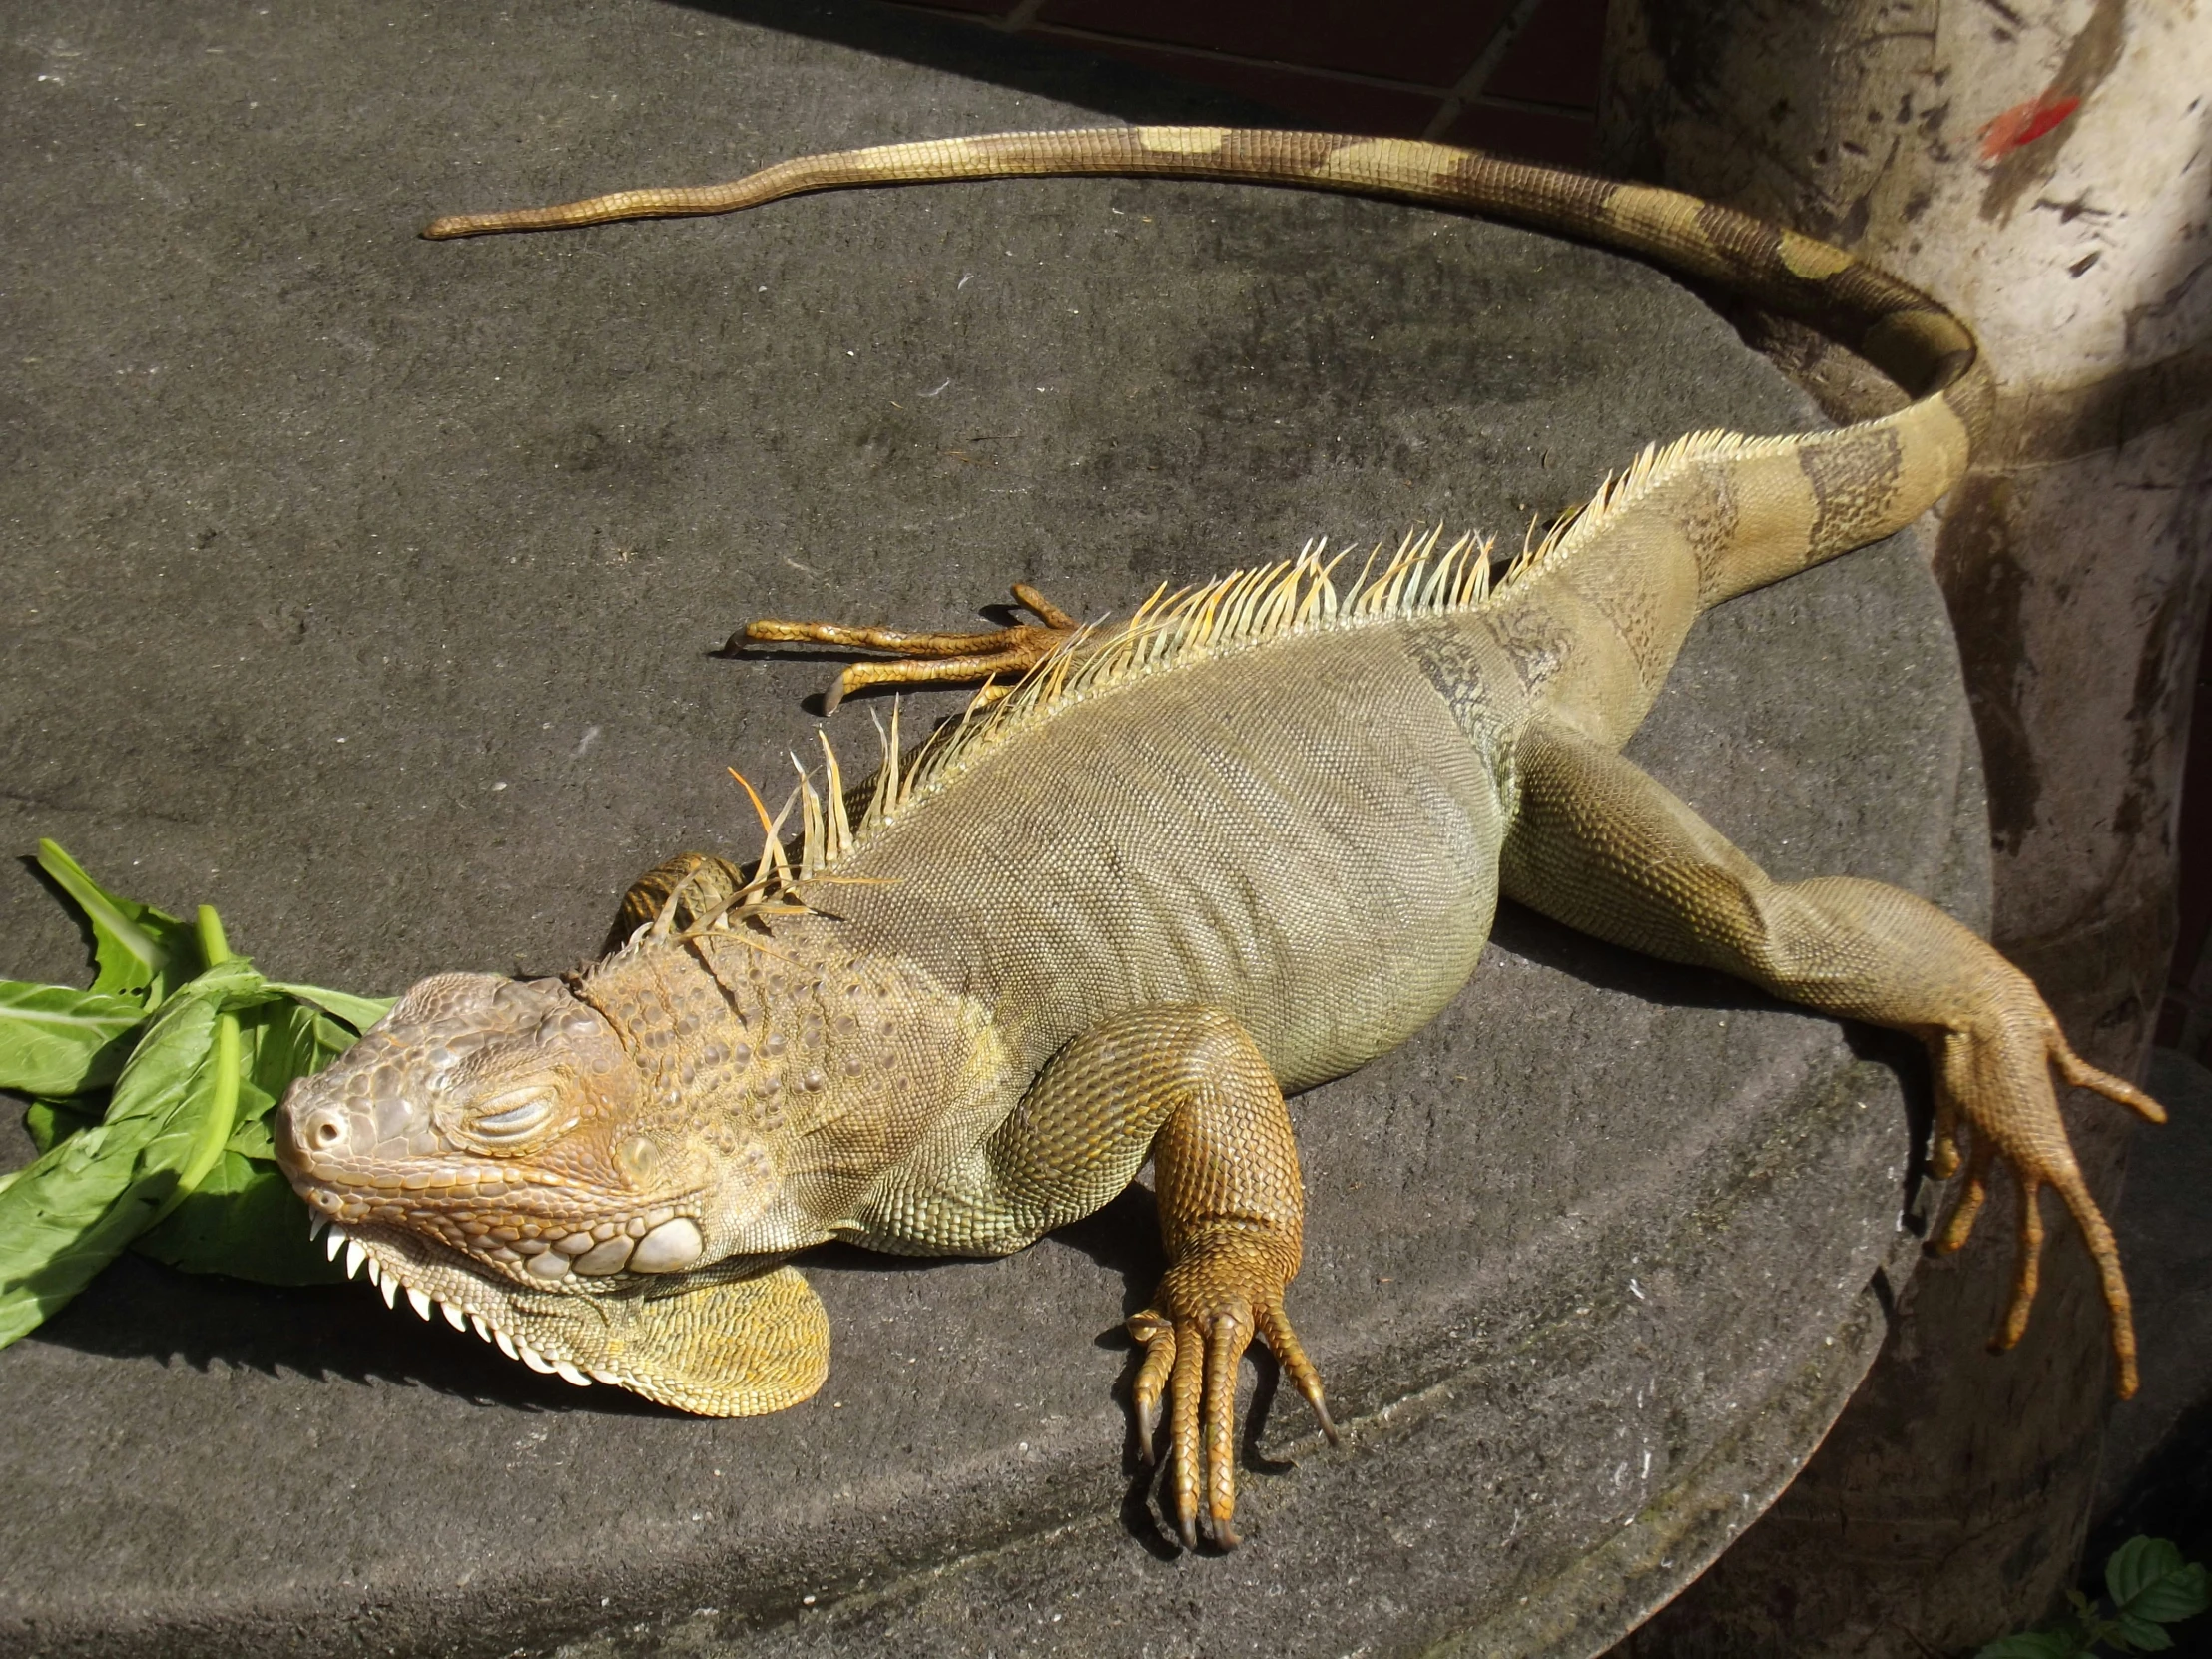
[(512, 1113)]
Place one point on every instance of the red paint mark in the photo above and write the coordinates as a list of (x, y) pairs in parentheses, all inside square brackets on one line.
[(2026, 122)]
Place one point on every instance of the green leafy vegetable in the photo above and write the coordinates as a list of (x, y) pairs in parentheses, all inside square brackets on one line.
[(176, 1160), (73, 1211), (56, 1041), (49, 1121), (360, 1013), (133, 945), (244, 1220)]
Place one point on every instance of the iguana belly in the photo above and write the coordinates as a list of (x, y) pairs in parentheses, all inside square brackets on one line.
[(1298, 833)]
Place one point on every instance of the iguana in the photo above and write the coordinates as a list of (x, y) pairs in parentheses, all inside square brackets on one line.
[(1236, 845)]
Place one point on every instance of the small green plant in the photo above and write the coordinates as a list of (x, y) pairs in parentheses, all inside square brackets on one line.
[(151, 1094), (2149, 1586)]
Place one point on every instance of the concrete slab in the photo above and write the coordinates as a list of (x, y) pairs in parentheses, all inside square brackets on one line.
[(369, 589)]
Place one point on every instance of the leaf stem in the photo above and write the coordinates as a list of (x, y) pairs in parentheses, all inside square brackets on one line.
[(215, 950), (221, 1113)]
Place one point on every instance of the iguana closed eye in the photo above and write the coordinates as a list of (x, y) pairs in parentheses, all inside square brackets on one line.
[(1236, 845)]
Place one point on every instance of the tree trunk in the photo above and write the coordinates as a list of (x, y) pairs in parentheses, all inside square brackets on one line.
[(2046, 168)]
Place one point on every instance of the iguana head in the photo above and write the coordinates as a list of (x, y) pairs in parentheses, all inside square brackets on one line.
[(507, 1120), (506, 1151)]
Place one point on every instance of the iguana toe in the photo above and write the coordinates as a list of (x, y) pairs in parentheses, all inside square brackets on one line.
[(1195, 1336), (1994, 1075), (927, 656)]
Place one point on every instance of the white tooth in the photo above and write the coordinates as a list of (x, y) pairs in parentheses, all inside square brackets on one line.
[(419, 1302), (569, 1374), (315, 1224), (506, 1344), (482, 1330), (355, 1257), (672, 1245), (608, 1377), (391, 1287), (452, 1316), (375, 1271), (536, 1361), (335, 1242)]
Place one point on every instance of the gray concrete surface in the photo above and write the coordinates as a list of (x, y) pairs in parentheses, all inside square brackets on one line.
[(369, 589)]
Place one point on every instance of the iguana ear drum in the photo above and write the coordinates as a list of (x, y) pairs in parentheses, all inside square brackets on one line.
[(669, 1245)]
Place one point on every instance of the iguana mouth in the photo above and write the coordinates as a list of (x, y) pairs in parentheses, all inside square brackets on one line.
[(634, 1331), (392, 1272), (493, 1224)]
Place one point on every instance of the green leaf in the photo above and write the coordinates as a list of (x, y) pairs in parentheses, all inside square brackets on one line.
[(2148, 1579), (2034, 1644), (2177, 1596), (73, 1210), (250, 1140), (2132, 1632), (133, 945), (360, 1013), (54, 1040), (49, 1122), (290, 1040), (245, 1221), (2138, 1564)]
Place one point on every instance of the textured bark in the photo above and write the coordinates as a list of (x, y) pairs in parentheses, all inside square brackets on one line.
[(2046, 169)]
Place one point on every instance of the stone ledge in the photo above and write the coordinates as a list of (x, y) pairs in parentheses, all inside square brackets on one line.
[(377, 584)]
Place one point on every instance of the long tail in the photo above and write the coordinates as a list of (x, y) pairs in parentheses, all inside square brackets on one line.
[(1866, 480)]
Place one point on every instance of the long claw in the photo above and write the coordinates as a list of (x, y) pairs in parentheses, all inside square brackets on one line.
[(916, 673), (1183, 1440), (1290, 1354), (2106, 1251), (1043, 609), (1942, 1143), (1970, 1198), (1152, 1377), (926, 657), (2027, 1277), (2082, 1075), (1224, 1346)]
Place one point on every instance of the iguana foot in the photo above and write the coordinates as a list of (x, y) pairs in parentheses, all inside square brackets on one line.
[(928, 658), (1994, 1075), (1226, 1288)]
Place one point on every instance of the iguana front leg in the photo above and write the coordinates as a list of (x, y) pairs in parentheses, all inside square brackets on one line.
[(923, 657), (1186, 1085), (1602, 847)]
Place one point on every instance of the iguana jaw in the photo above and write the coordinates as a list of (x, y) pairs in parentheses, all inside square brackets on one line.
[(737, 1338), (397, 1261)]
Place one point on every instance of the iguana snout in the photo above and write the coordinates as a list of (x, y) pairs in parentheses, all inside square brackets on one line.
[(505, 1120)]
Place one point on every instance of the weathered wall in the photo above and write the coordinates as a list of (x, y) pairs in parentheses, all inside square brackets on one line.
[(2046, 169)]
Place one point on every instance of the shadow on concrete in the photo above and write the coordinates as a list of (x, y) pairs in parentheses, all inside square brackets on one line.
[(982, 53), (143, 1309), (1536, 937)]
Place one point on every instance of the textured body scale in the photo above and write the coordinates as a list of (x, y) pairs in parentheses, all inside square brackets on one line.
[(1242, 844)]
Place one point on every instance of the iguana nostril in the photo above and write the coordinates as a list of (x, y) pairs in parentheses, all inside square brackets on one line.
[(325, 1132)]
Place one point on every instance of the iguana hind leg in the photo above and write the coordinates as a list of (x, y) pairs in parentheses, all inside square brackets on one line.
[(1602, 847), (1186, 1085), (1231, 1215), (922, 658)]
